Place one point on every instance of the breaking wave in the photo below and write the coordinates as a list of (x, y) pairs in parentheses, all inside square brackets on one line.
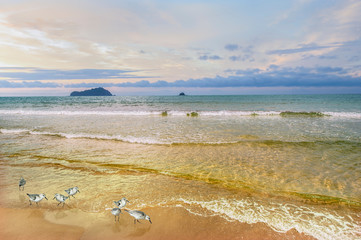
[(183, 113), (155, 141), (282, 217)]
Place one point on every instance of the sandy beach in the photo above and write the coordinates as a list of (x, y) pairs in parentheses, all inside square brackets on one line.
[(168, 223)]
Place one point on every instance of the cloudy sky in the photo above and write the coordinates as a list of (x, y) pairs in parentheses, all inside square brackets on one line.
[(159, 47)]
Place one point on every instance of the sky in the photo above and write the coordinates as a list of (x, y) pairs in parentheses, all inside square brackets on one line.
[(159, 47)]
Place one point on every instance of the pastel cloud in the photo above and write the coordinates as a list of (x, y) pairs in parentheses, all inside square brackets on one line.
[(28, 84), (274, 76), (53, 74), (231, 47), (301, 49), (210, 57)]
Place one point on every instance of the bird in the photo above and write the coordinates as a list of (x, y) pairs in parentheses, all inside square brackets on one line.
[(121, 203), (22, 183), (60, 198), (72, 191), (36, 197), (116, 212), (138, 215)]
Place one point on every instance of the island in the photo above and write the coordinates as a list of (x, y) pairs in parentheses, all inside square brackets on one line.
[(182, 94), (92, 92)]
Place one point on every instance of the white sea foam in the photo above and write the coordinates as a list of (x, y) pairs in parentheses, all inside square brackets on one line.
[(239, 113), (317, 222), (13, 131), (130, 139), (344, 114), (74, 113)]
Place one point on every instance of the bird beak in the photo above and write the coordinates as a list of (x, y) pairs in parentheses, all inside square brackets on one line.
[(78, 191), (150, 221), (127, 201), (46, 198), (53, 198)]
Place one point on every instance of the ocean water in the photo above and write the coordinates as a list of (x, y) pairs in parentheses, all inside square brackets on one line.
[(289, 161)]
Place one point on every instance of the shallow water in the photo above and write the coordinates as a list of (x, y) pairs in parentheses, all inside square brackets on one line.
[(240, 158)]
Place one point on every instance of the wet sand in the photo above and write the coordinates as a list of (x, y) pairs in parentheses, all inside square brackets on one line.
[(37, 222)]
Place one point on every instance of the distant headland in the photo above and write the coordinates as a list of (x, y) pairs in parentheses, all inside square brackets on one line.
[(92, 92)]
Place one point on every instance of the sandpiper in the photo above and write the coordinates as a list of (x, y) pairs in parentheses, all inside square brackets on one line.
[(36, 197), (116, 212), (72, 191), (60, 198), (138, 215), (22, 183), (121, 203)]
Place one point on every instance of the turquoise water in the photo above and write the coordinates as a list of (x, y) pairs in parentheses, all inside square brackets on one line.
[(244, 158), (320, 103)]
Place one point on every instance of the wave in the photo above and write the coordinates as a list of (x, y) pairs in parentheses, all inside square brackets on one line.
[(153, 141), (318, 222), (129, 139), (13, 131), (74, 113), (163, 113)]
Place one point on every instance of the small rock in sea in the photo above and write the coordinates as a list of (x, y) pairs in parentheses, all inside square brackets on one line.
[(192, 114)]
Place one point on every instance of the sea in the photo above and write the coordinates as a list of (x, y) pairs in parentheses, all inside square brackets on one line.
[(288, 161)]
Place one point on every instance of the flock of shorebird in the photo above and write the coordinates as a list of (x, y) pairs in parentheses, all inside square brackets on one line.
[(137, 215)]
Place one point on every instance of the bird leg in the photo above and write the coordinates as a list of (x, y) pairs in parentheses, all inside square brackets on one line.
[(138, 221), (30, 202), (135, 221), (58, 204)]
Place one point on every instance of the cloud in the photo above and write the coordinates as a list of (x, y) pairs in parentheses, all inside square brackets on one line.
[(212, 57), (242, 58), (231, 47), (247, 72), (25, 84), (273, 77), (302, 48), (331, 70), (328, 57), (235, 58), (26, 74)]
